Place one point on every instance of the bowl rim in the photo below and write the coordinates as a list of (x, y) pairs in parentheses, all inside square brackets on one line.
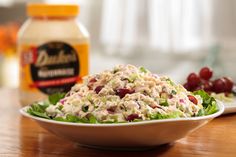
[(211, 116)]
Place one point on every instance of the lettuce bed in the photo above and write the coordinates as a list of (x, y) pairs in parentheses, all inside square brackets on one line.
[(38, 109)]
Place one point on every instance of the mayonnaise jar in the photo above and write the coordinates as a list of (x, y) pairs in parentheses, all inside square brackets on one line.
[(53, 50)]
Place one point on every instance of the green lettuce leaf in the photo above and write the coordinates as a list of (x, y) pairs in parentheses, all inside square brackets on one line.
[(75, 119), (142, 69), (54, 98), (38, 109), (209, 103), (92, 119), (175, 114)]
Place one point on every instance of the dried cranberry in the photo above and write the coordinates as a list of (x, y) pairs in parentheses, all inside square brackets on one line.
[(181, 101), (131, 117), (90, 87), (192, 99), (111, 110), (93, 80), (91, 83), (121, 92), (98, 89), (155, 107)]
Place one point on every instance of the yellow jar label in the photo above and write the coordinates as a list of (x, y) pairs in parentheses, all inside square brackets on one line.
[(52, 67)]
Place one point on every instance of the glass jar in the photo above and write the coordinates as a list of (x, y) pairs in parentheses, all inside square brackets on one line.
[(53, 50)]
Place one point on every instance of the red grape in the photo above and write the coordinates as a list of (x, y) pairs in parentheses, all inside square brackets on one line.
[(121, 92), (203, 82), (207, 86), (205, 73), (186, 86), (193, 80), (192, 99), (219, 86), (197, 88), (229, 84)]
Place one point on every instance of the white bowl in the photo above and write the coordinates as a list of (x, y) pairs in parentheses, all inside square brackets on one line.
[(230, 107), (126, 135)]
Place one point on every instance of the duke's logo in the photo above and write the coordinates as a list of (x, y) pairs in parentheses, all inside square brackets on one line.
[(44, 59), (55, 68)]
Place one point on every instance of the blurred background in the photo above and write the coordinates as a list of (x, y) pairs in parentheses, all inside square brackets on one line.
[(170, 37)]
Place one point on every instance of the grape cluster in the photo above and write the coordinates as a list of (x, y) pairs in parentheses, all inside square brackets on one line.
[(203, 81)]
